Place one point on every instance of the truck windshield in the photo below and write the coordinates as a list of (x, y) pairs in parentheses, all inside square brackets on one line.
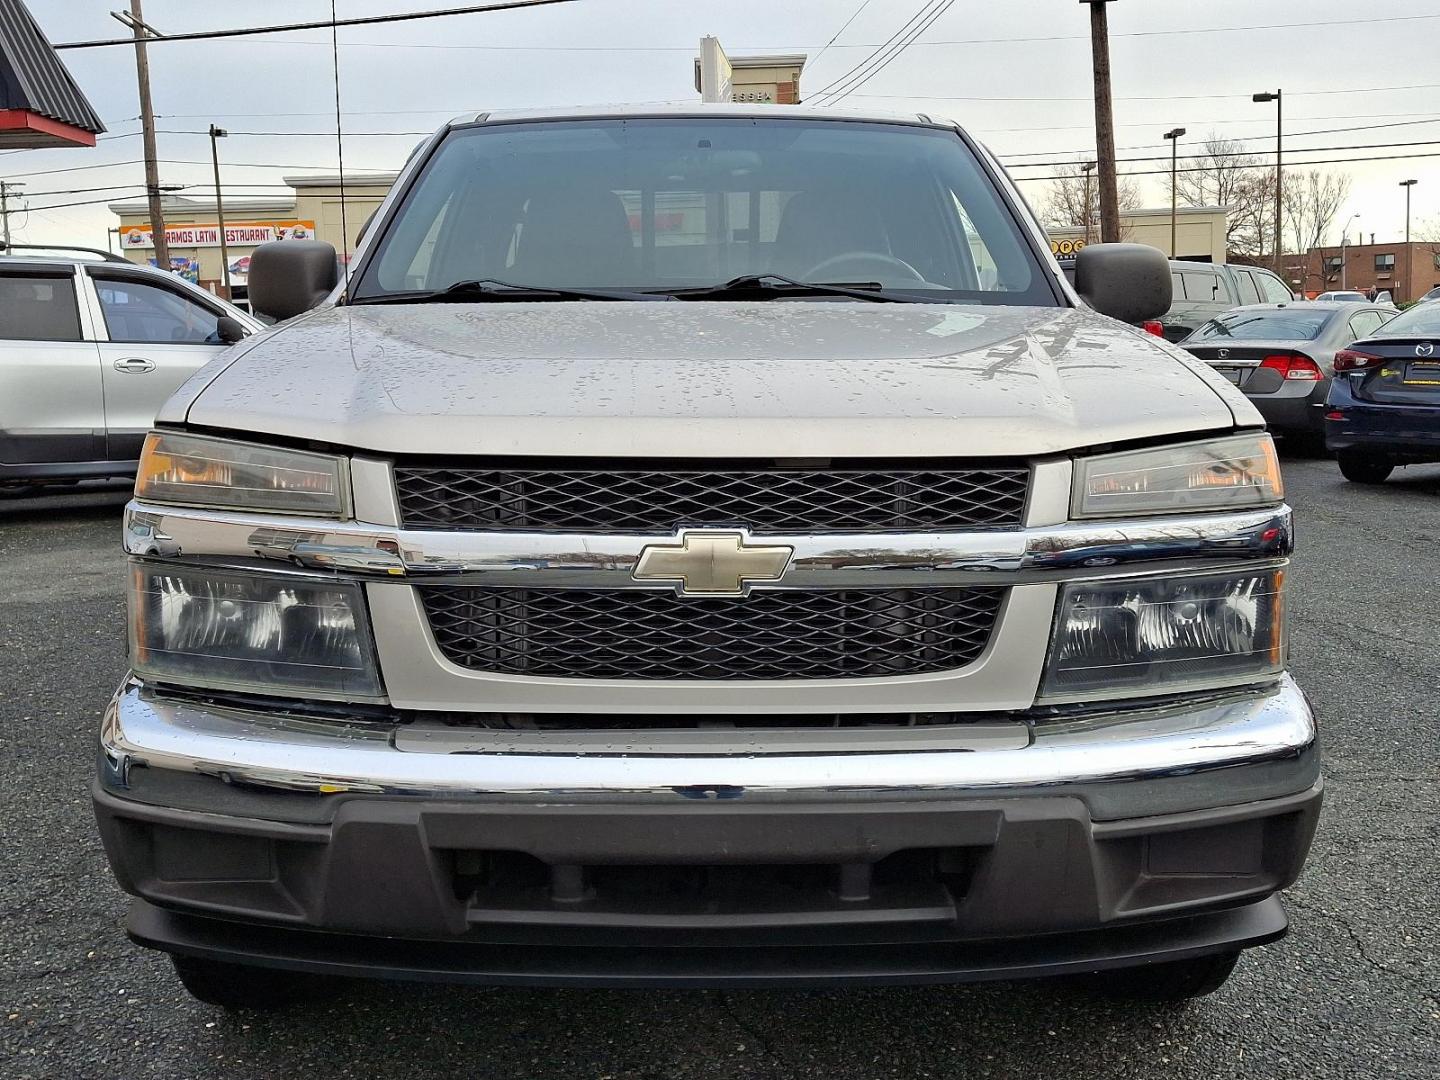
[(658, 204)]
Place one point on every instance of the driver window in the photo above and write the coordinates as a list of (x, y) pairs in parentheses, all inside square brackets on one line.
[(136, 311)]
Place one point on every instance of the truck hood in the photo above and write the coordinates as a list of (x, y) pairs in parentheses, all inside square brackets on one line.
[(702, 379)]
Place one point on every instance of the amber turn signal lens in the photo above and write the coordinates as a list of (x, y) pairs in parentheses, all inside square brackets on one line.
[(197, 470)]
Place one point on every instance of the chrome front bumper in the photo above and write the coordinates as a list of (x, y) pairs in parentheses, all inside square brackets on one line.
[(1138, 761)]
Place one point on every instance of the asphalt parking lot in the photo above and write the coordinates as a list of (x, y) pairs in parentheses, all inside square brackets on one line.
[(1354, 991)]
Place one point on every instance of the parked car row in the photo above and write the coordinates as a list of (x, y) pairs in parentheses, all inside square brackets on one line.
[(1344, 373), (1282, 356), (1357, 378)]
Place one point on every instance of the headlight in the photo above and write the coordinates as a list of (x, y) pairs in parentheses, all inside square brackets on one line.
[(1218, 474), (195, 470), (1154, 635), (261, 633)]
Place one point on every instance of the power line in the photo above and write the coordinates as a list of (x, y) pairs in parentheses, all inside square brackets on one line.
[(1229, 168), (1252, 164), (1212, 123), (323, 24), (1250, 28), (834, 37), (1150, 97), (1249, 138), (890, 58), (925, 8)]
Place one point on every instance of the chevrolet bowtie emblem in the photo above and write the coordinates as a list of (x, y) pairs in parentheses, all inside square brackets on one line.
[(712, 563)]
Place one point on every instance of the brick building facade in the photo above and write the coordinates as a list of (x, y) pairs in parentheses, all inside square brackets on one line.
[(1407, 271)]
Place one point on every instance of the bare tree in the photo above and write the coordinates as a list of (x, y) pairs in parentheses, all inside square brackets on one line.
[(1427, 236), (1313, 199), (1223, 174), (1064, 204)]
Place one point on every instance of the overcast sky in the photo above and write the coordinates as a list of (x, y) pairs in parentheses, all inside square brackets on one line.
[(1028, 96)]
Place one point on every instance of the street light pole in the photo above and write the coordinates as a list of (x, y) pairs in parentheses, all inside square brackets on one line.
[(1279, 186), (1407, 185), (215, 134), (1104, 122), (1174, 136), (1087, 169)]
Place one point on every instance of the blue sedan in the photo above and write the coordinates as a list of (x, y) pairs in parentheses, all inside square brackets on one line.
[(1384, 404)]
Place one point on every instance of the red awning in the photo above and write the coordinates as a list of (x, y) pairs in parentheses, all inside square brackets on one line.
[(23, 128)]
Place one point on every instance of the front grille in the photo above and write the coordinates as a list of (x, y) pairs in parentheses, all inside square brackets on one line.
[(783, 634), (648, 500)]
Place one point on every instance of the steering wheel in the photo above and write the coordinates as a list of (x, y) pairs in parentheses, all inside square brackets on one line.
[(860, 260)]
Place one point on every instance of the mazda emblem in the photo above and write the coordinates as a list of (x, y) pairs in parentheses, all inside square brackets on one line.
[(1223, 354), (1425, 348)]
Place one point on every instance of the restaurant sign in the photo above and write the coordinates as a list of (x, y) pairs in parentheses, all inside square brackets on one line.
[(244, 233)]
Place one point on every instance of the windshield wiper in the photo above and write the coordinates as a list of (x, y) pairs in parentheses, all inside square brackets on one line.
[(491, 290), (768, 285)]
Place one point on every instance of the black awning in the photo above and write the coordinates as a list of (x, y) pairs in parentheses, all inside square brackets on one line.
[(40, 105)]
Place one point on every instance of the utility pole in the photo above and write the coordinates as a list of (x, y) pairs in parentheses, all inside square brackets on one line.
[(1104, 122), (7, 188), (1407, 185), (1174, 136), (220, 133), (1086, 169), (1344, 239), (1276, 97), (136, 22)]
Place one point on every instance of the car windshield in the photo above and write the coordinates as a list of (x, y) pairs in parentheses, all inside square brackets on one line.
[(1279, 324), (654, 204), (1422, 320)]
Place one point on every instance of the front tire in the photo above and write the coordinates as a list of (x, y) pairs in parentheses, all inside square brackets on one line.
[(1363, 468), (1174, 980), (238, 986)]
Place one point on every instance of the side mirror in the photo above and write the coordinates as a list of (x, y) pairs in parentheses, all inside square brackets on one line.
[(229, 330), (288, 277), (1129, 282)]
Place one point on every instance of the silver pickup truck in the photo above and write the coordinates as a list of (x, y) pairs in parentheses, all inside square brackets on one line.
[(706, 547)]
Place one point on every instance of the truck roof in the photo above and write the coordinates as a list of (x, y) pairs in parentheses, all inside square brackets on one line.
[(775, 112)]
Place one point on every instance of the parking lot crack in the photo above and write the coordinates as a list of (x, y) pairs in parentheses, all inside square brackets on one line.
[(1426, 990), (749, 1030)]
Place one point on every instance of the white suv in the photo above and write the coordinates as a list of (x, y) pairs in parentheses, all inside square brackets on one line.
[(90, 346)]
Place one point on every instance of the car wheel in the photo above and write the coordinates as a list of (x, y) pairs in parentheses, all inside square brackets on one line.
[(1363, 469), (1174, 980), (238, 986)]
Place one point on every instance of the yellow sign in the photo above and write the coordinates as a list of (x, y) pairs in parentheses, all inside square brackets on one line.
[(1066, 247)]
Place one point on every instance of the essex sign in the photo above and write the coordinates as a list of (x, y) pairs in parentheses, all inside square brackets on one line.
[(243, 234)]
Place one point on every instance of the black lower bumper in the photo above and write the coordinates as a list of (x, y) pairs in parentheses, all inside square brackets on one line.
[(539, 963), (708, 892)]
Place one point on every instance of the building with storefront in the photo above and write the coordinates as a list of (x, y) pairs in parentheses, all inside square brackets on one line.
[(1199, 232), (312, 211)]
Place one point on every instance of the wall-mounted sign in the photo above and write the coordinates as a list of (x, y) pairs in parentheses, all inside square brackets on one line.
[(1066, 247), (245, 234)]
